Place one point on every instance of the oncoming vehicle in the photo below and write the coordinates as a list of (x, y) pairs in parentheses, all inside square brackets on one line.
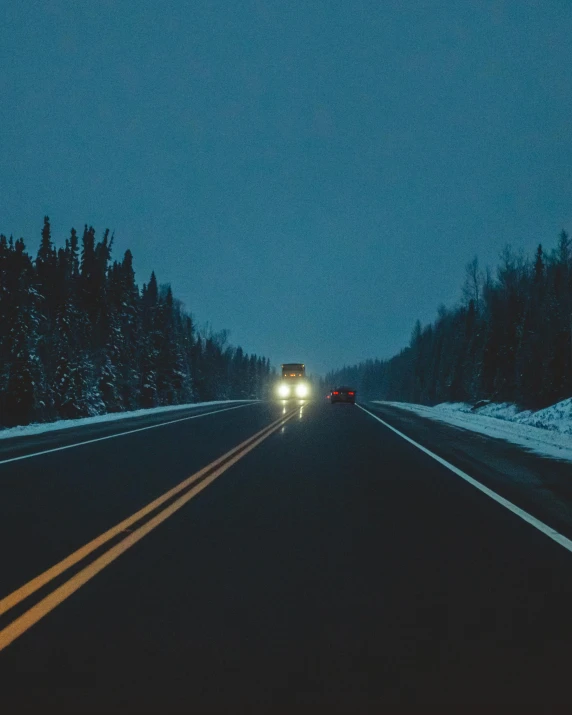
[(293, 383), (343, 394)]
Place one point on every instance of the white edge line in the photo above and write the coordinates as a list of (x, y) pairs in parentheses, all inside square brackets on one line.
[(120, 434), (532, 520)]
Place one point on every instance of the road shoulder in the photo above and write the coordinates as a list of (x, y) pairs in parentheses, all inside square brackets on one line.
[(537, 484)]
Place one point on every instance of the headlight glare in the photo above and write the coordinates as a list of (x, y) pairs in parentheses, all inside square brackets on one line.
[(301, 390)]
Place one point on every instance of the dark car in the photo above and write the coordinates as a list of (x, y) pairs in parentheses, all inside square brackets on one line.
[(343, 394)]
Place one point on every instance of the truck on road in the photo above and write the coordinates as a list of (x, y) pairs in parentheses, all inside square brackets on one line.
[(293, 382)]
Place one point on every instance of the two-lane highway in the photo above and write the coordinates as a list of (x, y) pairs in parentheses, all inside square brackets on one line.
[(272, 557)]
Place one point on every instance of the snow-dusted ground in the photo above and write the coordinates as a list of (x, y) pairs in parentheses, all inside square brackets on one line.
[(547, 432), (113, 417)]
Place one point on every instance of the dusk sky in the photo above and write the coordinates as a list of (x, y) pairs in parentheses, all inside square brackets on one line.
[(312, 176)]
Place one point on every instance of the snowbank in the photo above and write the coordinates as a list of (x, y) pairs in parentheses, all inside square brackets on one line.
[(112, 417), (547, 432)]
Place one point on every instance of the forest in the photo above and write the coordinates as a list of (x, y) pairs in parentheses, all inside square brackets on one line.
[(508, 340), (78, 337)]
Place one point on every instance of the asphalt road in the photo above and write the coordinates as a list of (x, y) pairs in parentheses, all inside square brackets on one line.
[(327, 565)]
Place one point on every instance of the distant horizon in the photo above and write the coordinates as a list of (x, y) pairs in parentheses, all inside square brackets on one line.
[(207, 325)]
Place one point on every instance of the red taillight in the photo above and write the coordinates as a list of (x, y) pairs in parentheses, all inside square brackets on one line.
[(351, 393), (335, 393)]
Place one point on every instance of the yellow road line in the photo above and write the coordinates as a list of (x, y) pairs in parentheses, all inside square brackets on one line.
[(29, 588)]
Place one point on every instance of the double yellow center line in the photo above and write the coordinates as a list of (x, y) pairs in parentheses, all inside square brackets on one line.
[(187, 489)]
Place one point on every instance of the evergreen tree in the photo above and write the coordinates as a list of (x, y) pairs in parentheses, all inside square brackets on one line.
[(77, 338), (510, 339)]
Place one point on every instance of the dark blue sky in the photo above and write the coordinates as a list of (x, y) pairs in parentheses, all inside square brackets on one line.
[(313, 176)]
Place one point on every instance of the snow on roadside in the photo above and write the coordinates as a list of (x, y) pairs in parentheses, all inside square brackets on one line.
[(547, 432), (39, 428)]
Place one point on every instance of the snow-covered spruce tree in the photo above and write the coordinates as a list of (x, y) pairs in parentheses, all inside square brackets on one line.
[(77, 338), (24, 394), (76, 392), (174, 383), (125, 331), (49, 288), (239, 374), (150, 340), (110, 365)]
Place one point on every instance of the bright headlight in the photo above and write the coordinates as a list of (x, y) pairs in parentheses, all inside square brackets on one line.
[(301, 390), (283, 390)]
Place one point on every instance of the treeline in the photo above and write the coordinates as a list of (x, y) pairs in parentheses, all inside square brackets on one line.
[(79, 338), (510, 339)]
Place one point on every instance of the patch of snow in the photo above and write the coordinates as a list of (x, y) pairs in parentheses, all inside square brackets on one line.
[(547, 432), (39, 428)]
